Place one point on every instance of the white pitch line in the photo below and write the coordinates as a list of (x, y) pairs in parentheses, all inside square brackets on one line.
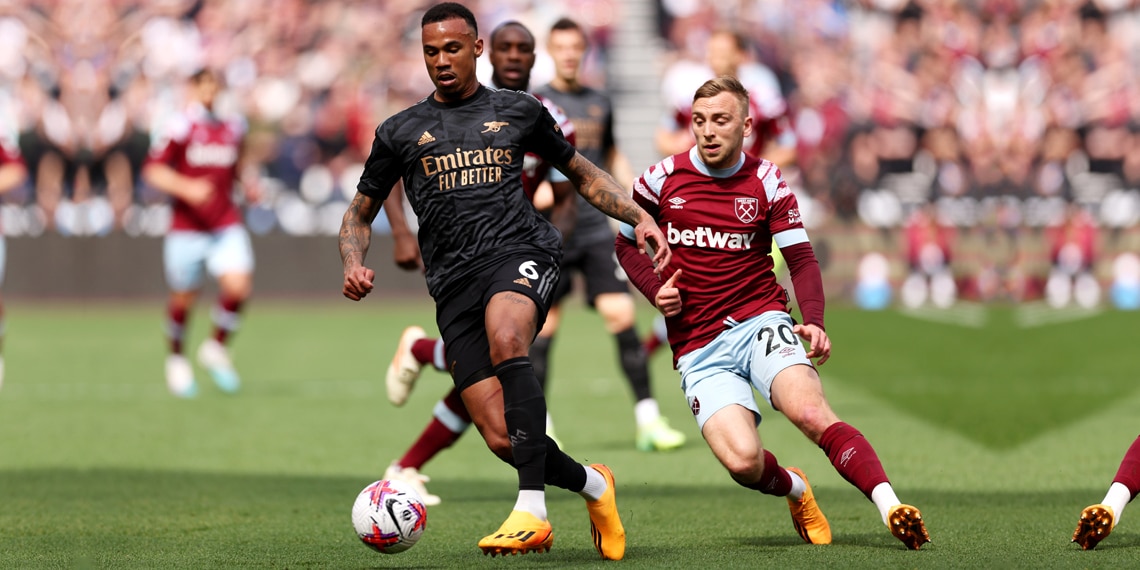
[(970, 315), (1040, 314), (20, 389)]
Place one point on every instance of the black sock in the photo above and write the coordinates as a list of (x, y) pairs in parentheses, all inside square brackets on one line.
[(524, 408), (562, 471), (539, 356), (634, 363)]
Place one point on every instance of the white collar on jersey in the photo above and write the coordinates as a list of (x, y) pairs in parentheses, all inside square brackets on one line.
[(695, 157), (197, 110)]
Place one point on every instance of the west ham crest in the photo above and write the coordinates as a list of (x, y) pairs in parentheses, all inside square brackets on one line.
[(746, 209)]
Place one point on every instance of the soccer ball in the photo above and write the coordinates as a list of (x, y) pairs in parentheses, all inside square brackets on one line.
[(389, 516)]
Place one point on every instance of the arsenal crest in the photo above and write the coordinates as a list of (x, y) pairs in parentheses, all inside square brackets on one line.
[(746, 209)]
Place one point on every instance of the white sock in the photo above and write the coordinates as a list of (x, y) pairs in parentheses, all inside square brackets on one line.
[(883, 495), (1117, 498), (646, 411), (438, 360), (448, 418), (798, 486), (595, 485), (533, 502), (661, 330)]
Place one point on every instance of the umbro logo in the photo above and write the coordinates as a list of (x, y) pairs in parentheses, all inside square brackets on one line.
[(494, 126), (846, 456), (524, 281), (677, 202), (425, 138)]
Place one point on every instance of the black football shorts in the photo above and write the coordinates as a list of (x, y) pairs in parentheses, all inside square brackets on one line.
[(460, 315), (598, 264)]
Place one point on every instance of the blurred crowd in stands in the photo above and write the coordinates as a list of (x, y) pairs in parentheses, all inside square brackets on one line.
[(990, 141), (995, 143), (85, 83)]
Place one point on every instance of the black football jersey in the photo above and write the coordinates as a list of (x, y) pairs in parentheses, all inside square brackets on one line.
[(591, 113), (462, 164)]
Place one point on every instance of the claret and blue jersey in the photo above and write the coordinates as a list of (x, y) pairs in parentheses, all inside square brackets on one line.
[(720, 225)]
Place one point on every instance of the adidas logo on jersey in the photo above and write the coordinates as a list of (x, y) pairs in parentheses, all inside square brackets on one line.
[(524, 281), (425, 138), (708, 237)]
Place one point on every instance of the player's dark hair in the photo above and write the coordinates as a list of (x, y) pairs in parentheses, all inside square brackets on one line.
[(508, 24), (449, 11), (565, 24), (200, 74), (1090, 12), (912, 11), (723, 84)]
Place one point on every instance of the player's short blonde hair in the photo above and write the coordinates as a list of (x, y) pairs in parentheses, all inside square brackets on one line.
[(724, 84)]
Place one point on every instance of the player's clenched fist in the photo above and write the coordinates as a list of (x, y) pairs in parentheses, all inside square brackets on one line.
[(668, 298), (406, 252), (358, 282)]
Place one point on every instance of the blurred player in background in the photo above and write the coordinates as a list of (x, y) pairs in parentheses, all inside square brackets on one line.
[(589, 249), (727, 53), (728, 319), (1073, 251), (929, 252), (13, 173), (491, 262), (1098, 520), (196, 159)]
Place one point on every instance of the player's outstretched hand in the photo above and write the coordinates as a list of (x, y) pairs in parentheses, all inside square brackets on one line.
[(668, 298), (358, 282), (647, 232), (819, 344)]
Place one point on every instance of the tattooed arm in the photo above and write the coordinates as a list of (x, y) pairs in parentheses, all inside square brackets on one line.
[(355, 237), (601, 190)]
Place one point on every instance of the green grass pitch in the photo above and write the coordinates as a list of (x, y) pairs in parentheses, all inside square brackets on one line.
[(1001, 425)]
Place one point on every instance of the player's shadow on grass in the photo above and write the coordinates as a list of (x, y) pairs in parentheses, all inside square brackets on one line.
[(1119, 539)]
